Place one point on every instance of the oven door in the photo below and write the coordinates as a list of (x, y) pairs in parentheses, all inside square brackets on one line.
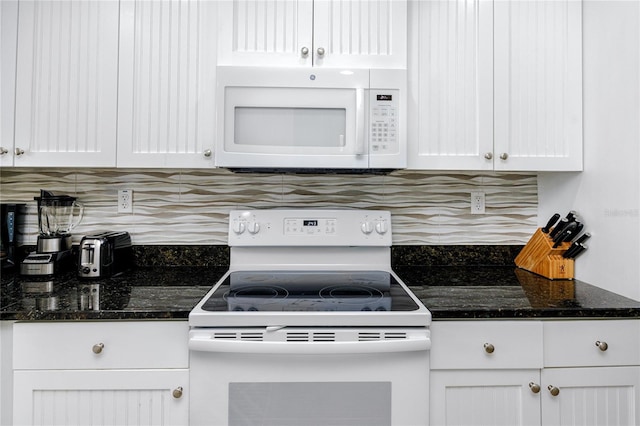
[(311, 376)]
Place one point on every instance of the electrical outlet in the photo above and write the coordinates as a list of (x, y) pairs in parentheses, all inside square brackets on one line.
[(125, 201), (477, 203)]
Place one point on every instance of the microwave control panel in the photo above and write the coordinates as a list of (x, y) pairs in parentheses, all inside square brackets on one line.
[(383, 119)]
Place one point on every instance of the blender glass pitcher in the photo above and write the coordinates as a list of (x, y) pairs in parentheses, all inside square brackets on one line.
[(58, 214)]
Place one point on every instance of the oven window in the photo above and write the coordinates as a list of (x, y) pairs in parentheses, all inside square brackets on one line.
[(290, 127), (312, 403)]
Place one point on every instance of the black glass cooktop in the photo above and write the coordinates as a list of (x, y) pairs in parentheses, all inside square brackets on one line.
[(271, 291)]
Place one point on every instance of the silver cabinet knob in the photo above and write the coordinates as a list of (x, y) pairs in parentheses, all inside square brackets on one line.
[(304, 51), (504, 156), (320, 51), (488, 156), (489, 348), (97, 348), (3, 150), (207, 153), (19, 151), (602, 345), (177, 392), (554, 391), (535, 388)]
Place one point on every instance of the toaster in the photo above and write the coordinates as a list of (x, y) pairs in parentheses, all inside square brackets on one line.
[(104, 254)]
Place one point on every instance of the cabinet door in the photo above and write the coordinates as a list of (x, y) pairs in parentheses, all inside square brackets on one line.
[(591, 396), (8, 42), (266, 32), (101, 397), (166, 111), (451, 85), (484, 397), (360, 34), (66, 85), (538, 85)]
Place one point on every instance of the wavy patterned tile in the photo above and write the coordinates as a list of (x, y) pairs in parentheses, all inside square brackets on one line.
[(192, 206)]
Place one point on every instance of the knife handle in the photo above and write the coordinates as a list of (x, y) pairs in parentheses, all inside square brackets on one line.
[(584, 237), (561, 238), (579, 228), (559, 227), (550, 223), (574, 250), (579, 251), (571, 216), (569, 252)]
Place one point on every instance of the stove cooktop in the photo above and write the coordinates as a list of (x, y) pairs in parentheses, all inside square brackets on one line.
[(307, 298)]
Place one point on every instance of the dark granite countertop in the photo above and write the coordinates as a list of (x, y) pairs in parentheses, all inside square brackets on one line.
[(507, 292), (170, 292), (161, 292)]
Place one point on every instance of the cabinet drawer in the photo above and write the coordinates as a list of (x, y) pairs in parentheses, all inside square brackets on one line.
[(486, 344), (100, 345), (581, 343)]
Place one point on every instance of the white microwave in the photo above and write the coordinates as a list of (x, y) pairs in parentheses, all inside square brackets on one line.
[(284, 119)]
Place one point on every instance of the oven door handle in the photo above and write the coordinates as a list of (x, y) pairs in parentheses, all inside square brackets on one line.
[(413, 344)]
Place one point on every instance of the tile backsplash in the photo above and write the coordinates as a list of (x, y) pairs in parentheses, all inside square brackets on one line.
[(186, 207)]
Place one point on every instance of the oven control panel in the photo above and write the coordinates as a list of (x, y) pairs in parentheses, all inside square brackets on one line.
[(309, 228)]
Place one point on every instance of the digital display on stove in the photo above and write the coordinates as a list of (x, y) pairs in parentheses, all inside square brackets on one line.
[(309, 222), (272, 291)]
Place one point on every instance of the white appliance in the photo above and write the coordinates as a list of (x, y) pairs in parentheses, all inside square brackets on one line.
[(310, 326), (308, 118)]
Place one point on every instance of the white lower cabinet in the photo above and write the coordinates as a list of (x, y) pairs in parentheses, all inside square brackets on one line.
[(484, 397), (591, 396), (101, 373), (583, 372), (100, 397)]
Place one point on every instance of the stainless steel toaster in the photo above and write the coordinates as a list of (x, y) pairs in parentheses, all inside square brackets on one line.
[(104, 254)]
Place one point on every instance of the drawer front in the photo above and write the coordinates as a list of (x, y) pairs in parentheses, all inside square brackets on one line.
[(591, 343), (100, 345), (486, 344)]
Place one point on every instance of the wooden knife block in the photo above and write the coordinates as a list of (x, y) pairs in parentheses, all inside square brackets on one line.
[(539, 257)]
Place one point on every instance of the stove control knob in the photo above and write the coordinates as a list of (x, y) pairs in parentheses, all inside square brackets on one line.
[(239, 227), (381, 227), (366, 227), (253, 227)]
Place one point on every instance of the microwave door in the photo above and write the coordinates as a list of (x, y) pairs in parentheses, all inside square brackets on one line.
[(293, 128)]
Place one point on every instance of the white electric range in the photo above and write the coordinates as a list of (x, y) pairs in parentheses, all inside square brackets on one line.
[(310, 325)]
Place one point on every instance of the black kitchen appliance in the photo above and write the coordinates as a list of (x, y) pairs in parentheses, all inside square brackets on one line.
[(11, 218), (57, 216), (104, 254)]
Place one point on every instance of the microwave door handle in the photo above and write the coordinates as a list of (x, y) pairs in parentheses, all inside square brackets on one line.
[(205, 344), (360, 122)]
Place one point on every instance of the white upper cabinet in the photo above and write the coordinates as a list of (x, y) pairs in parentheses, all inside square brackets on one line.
[(538, 85), (327, 33), (495, 85), (66, 83), (8, 42), (451, 85), (166, 109)]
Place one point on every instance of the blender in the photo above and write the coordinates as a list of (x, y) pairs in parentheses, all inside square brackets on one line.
[(57, 216)]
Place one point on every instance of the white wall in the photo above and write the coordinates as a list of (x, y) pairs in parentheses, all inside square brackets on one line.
[(607, 194)]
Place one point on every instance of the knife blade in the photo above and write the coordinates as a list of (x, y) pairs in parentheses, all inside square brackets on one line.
[(550, 223)]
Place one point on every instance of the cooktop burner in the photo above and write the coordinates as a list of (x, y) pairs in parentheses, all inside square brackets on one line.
[(270, 291)]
